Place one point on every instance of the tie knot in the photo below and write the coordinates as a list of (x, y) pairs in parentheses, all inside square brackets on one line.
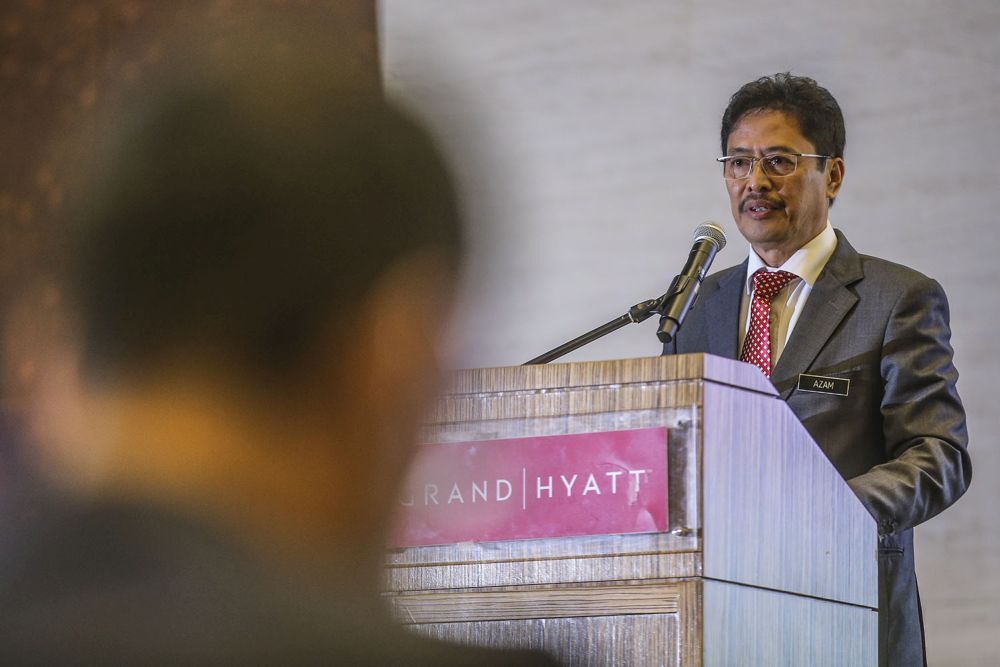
[(767, 284)]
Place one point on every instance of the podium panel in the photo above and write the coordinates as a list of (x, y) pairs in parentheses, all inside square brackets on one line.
[(764, 555)]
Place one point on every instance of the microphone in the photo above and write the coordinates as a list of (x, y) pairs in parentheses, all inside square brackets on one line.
[(709, 239)]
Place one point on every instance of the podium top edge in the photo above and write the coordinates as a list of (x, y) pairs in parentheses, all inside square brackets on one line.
[(665, 368)]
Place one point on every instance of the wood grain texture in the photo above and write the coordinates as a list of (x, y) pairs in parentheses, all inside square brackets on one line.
[(752, 626), (691, 623), (535, 602), (565, 401), (628, 623), (599, 641), (569, 569), (631, 623), (777, 514), (678, 415), (544, 549), (601, 373)]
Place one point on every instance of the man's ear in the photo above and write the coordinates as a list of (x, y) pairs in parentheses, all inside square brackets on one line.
[(377, 375), (405, 316), (393, 375), (834, 178), (40, 357)]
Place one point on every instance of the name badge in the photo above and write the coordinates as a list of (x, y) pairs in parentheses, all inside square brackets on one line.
[(820, 384)]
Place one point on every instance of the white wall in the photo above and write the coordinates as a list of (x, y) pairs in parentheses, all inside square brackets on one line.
[(585, 133)]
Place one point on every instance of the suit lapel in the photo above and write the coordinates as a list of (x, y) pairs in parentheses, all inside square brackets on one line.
[(828, 304), (722, 313)]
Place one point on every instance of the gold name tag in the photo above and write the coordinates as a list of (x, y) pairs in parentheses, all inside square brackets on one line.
[(824, 385)]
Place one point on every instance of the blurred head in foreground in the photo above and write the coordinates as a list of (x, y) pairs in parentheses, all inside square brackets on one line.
[(264, 254)]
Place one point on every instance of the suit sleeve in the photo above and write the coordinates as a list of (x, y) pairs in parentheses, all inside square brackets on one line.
[(928, 466)]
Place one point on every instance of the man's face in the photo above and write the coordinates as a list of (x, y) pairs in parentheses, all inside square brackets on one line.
[(778, 215)]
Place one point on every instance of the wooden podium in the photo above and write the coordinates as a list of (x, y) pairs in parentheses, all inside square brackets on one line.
[(766, 558)]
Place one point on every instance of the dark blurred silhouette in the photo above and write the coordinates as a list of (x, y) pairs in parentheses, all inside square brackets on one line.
[(263, 254)]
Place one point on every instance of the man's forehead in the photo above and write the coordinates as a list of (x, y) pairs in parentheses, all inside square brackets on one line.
[(769, 130), (774, 148)]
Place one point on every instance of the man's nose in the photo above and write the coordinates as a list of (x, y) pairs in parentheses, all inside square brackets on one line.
[(758, 178)]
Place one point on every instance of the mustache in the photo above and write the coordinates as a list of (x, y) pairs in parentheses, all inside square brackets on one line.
[(773, 202)]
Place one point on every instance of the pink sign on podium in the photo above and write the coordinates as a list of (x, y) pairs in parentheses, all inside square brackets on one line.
[(527, 488)]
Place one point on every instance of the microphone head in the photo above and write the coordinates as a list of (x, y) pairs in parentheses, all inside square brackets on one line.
[(710, 232)]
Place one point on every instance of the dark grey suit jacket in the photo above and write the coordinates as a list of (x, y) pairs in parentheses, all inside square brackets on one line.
[(132, 583), (899, 436)]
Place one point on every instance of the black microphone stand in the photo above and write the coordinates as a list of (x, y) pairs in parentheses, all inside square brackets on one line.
[(672, 307), (637, 313)]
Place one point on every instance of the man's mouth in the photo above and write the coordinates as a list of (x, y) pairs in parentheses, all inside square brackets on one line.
[(760, 206)]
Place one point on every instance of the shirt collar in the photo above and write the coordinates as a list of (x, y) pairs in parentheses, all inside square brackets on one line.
[(807, 262)]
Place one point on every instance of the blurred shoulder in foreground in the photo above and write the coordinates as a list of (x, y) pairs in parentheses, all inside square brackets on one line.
[(264, 253)]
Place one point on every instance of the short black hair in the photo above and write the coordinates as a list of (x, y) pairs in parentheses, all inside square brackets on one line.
[(817, 112), (247, 206)]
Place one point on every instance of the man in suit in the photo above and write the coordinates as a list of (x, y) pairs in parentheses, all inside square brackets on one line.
[(859, 347), (264, 257)]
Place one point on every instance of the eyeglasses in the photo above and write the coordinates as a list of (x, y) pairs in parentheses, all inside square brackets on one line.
[(775, 164)]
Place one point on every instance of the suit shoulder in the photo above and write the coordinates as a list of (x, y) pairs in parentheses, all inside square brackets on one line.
[(895, 278), (884, 276), (876, 267)]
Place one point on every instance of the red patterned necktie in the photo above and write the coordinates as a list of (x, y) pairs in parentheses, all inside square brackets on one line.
[(757, 345)]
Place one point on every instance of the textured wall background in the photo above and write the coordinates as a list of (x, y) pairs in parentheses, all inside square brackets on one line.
[(62, 63), (586, 133)]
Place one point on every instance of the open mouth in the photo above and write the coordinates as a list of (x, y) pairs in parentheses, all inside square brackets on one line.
[(760, 206)]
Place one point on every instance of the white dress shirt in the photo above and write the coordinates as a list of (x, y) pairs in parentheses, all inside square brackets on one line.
[(807, 263)]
